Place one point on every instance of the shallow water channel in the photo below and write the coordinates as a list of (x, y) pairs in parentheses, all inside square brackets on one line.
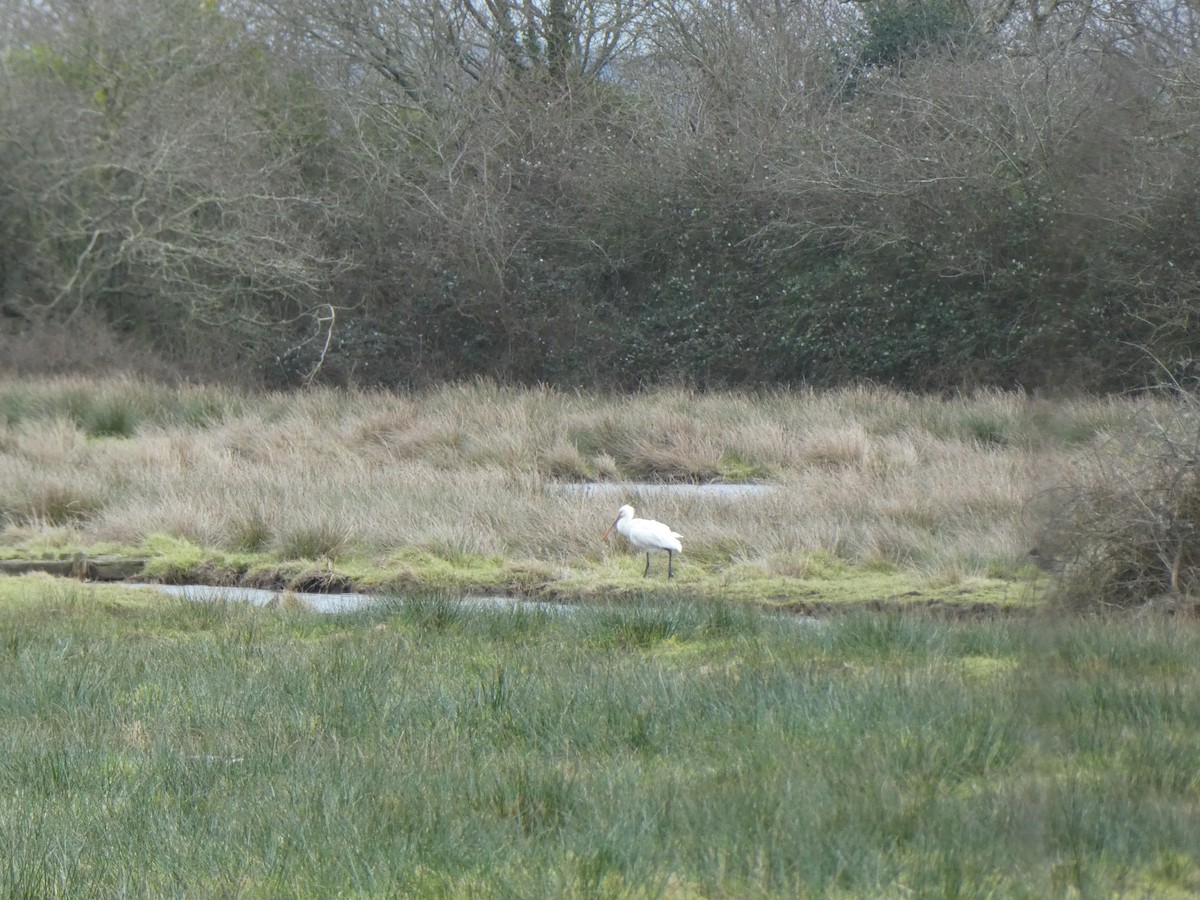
[(354, 602), (337, 603)]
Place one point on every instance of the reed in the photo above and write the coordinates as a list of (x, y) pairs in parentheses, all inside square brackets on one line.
[(939, 488)]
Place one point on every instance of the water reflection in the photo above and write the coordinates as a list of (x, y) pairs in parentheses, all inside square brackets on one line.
[(354, 602), (335, 603)]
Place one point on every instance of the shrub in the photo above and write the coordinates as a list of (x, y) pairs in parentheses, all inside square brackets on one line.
[(1125, 529)]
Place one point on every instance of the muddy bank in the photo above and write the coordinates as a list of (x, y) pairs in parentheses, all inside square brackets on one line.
[(79, 565)]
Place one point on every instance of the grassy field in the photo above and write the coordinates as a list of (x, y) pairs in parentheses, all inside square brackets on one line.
[(648, 749), (872, 495), (665, 739)]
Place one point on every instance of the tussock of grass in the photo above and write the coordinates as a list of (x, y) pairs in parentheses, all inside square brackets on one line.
[(879, 480), (563, 460), (315, 541)]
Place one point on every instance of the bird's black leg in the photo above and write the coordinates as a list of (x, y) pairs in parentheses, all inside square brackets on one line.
[(647, 572), (670, 571)]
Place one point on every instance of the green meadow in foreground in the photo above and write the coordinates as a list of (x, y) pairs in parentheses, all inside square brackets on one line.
[(861, 494), (153, 747)]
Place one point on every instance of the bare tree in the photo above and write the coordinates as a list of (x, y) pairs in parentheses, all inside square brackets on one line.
[(431, 51), (152, 177), (588, 188)]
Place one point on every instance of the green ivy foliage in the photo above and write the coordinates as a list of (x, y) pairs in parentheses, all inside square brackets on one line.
[(894, 31)]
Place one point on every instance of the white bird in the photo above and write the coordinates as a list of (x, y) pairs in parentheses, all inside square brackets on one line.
[(647, 535)]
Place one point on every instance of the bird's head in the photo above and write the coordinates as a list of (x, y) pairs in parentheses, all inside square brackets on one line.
[(625, 512)]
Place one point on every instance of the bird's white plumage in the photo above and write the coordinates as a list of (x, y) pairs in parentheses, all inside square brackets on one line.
[(646, 535)]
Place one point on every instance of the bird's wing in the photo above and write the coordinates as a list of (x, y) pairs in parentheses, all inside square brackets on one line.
[(666, 537)]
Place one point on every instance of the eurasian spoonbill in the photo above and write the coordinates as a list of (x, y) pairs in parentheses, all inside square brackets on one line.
[(646, 535)]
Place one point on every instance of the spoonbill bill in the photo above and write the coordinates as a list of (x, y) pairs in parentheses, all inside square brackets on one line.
[(647, 535)]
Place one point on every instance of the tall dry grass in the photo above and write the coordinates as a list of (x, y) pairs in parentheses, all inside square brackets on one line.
[(865, 475)]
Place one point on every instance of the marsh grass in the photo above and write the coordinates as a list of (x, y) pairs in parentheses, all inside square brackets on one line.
[(315, 541), (674, 749), (116, 407), (936, 488)]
